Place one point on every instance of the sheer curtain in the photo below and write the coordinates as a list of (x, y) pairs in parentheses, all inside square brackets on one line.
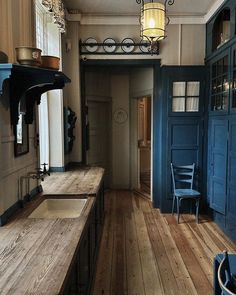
[(185, 96), (41, 41), (192, 104)]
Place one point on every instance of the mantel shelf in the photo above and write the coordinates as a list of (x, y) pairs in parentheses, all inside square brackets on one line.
[(28, 84)]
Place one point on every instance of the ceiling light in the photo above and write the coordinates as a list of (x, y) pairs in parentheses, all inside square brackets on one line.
[(153, 21)]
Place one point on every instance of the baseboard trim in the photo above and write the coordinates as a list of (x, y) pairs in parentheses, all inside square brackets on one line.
[(57, 169)]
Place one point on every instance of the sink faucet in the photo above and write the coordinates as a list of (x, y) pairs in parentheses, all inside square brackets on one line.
[(45, 171)]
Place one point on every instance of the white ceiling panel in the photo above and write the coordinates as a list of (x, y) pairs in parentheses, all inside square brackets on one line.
[(130, 7)]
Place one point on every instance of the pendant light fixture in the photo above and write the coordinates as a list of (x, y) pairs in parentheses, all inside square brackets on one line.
[(153, 21)]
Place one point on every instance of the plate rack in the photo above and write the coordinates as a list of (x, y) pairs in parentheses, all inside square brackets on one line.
[(140, 48)]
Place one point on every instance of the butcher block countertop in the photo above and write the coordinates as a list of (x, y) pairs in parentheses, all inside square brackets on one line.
[(37, 254), (77, 182)]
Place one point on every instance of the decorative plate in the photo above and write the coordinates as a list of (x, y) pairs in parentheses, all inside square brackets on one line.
[(129, 47), (145, 46), (109, 48), (91, 48), (120, 116)]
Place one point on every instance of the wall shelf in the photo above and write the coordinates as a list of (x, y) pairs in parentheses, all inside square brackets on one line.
[(26, 85), (118, 48)]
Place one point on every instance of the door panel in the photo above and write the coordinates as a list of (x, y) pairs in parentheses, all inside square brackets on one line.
[(186, 143), (218, 164), (99, 117), (231, 204)]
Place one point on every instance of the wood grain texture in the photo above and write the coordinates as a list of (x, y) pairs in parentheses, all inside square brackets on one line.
[(36, 254), (156, 255), (81, 181)]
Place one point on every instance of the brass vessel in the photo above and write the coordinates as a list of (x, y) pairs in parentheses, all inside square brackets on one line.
[(29, 56)]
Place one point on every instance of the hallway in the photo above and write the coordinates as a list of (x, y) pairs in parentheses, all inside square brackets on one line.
[(145, 252)]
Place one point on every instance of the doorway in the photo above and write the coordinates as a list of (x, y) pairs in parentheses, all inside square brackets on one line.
[(144, 144)]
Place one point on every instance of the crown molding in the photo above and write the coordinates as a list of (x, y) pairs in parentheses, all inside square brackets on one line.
[(213, 9)]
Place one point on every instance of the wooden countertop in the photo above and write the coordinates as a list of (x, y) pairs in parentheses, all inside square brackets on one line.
[(36, 254), (77, 182)]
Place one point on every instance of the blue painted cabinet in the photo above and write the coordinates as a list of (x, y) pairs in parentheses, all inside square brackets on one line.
[(217, 164), (231, 190)]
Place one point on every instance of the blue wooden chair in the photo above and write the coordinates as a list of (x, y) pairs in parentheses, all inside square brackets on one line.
[(182, 180), (224, 276)]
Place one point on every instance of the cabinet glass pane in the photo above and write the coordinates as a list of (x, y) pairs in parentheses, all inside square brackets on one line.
[(214, 70), (178, 104), (225, 65), (234, 99), (193, 88), (234, 80), (179, 89), (214, 86), (224, 101), (225, 84), (192, 104)]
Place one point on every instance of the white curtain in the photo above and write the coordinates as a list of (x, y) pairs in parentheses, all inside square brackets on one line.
[(44, 130), (185, 96)]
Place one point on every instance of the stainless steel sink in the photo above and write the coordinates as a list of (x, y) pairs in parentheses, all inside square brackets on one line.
[(59, 208)]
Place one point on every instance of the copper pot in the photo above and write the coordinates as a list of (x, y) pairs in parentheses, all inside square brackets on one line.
[(29, 56), (50, 62)]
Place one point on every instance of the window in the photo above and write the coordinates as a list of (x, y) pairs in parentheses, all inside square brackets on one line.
[(48, 39), (185, 96)]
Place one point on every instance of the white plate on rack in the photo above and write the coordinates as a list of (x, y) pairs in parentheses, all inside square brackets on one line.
[(91, 47), (109, 48), (144, 47), (127, 47)]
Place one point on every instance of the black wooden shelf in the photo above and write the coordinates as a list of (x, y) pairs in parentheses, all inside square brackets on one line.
[(27, 83)]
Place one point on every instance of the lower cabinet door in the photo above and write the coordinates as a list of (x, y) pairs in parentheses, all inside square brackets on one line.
[(83, 265), (217, 168)]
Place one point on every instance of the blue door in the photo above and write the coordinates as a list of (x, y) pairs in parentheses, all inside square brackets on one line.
[(217, 165)]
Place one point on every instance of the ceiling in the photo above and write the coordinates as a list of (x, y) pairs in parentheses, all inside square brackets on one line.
[(130, 7)]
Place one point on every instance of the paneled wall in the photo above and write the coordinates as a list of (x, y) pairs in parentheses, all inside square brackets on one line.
[(185, 45), (16, 28)]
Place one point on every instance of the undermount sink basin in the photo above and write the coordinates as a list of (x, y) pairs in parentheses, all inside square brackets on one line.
[(59, 208)]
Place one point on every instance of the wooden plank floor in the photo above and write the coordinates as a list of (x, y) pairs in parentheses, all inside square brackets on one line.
[(145, 252)]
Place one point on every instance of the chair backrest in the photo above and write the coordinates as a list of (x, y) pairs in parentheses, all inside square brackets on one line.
[(182, 175), (225, 278)]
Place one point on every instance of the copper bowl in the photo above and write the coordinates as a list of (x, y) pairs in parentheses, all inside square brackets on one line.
[(29, 56), (50, 62)]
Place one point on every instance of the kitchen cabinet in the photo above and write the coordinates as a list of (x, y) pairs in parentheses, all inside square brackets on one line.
[(221, 60), (81, 276)]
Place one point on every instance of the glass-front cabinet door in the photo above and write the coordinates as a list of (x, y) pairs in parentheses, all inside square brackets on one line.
[(219, 91), (233, 104)]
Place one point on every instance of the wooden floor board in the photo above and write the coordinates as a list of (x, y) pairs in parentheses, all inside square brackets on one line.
[(144, 252)]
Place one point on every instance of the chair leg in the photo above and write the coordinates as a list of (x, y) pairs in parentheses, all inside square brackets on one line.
[(173, 204), (178, 205), (197, 210)]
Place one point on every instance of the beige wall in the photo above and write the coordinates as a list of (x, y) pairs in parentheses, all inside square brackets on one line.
[(184, 45), (71, 92), (120, 132), (16, 28)]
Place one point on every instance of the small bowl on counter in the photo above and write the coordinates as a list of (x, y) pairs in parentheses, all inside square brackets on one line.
[(50, 62), (29, 56)]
